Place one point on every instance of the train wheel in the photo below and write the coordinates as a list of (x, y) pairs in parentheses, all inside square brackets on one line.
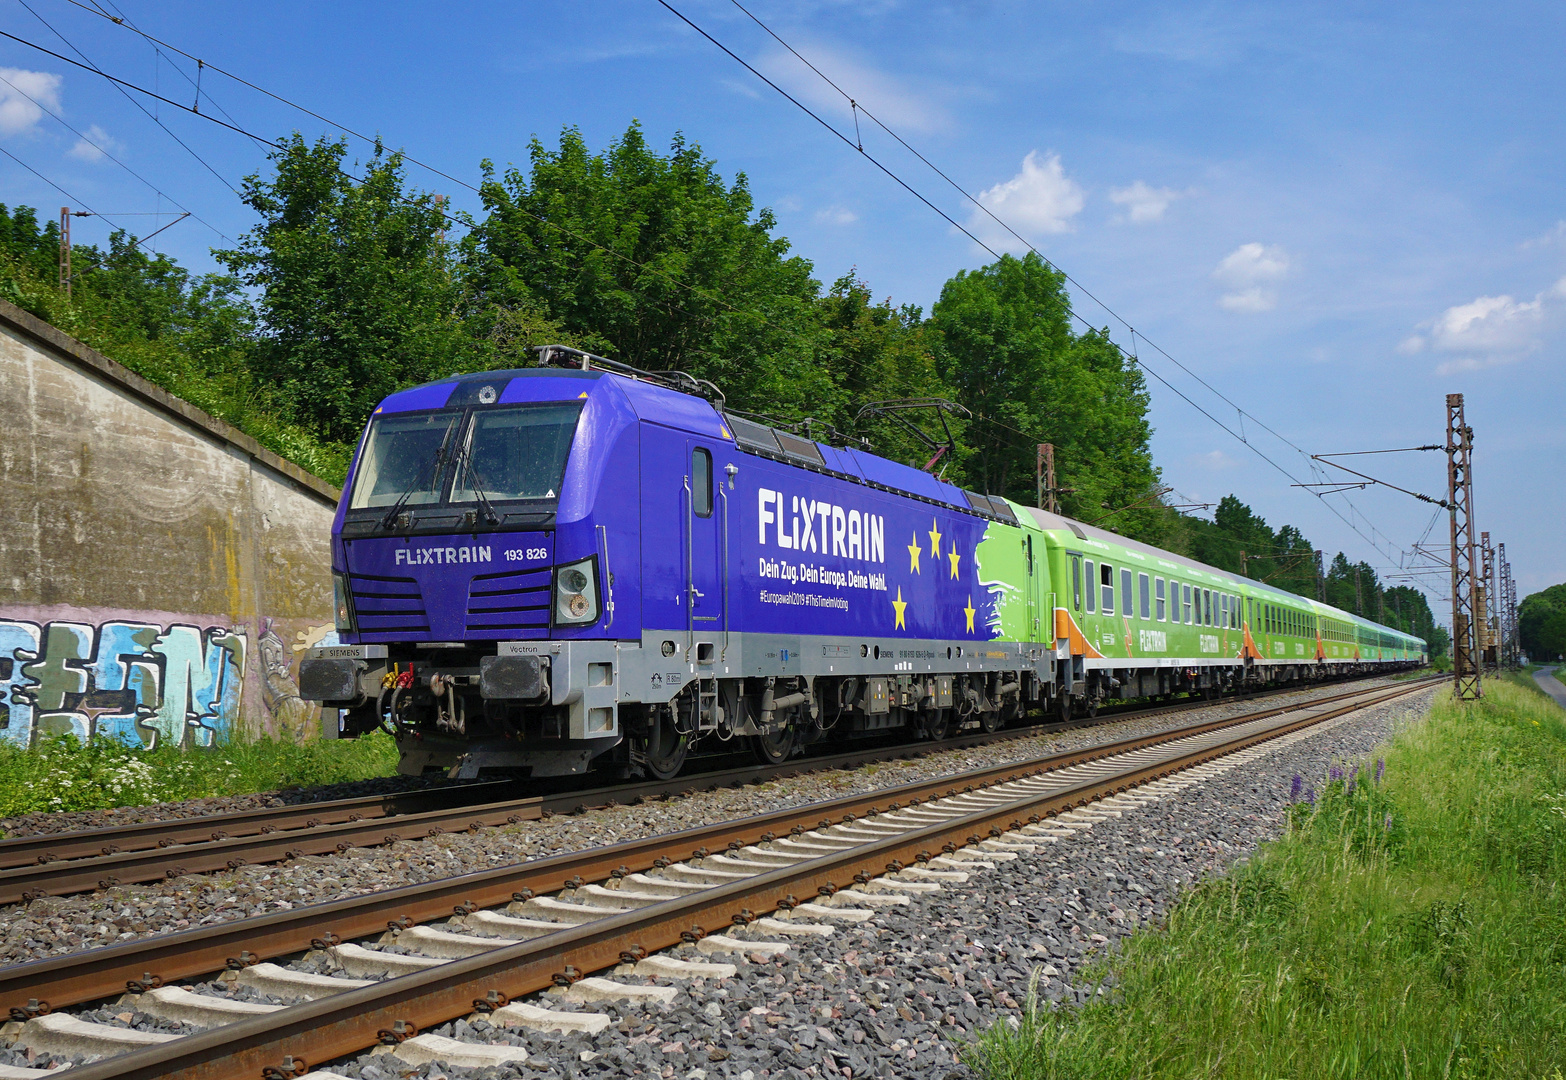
[(989, 721), (774, 748), (1063, 707), (666, 746), (1092, 707), (938, 725)]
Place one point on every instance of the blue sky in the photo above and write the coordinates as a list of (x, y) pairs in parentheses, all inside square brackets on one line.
[(1334, 214)]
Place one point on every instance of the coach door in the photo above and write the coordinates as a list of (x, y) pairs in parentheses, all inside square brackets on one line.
[(706, 507)]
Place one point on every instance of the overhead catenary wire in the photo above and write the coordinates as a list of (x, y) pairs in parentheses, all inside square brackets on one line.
[(1241, 413), (451, 219), (74, 200), (435, 170), (90, 66), (1238, 435), (105, 152)]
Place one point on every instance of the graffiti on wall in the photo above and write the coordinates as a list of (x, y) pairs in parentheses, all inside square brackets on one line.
[(152, 684), (156, 685)]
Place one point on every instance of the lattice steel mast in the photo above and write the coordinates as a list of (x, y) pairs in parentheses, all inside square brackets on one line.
[(1467, 610)]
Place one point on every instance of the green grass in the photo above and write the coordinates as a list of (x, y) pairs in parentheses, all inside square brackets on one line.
[(1408, 929), (62, 774)]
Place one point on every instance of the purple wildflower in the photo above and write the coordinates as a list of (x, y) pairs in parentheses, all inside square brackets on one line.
[(1334, 773), (1386, 826), (1381, 769), (1296, 787), (1352, 778), (1310, 795)]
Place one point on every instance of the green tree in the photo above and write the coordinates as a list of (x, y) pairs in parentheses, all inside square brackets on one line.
[(358, 295), (1008, 352), (1541, 623), (653, 260), (875, 352)]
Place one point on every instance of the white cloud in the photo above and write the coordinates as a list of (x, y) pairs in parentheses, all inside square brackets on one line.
[(1249, 272), (17, 114), (902, 107), (1214, 460), (1488, 330), (1039, 199), (1551, 237), (92, 148), (835, 215), (1143, 203)]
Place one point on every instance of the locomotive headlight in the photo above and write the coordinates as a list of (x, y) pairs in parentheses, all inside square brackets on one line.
[(576, 594), (342, 602)]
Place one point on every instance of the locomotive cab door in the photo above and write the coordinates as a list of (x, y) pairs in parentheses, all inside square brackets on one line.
[(705, 537)]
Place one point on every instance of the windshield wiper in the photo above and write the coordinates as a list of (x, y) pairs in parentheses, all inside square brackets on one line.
[(389, 519), (464, 461)]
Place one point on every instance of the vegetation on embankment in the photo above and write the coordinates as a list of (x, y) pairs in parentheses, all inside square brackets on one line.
[(1409, 925), (58, 774)]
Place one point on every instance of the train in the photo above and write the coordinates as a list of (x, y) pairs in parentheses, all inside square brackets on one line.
[(581, 567)]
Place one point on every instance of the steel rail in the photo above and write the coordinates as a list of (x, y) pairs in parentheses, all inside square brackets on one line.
[(331, 1027), (98, 973), (165, 832), (82, 860)]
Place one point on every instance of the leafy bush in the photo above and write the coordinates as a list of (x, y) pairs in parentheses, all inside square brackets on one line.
[(58, 774)]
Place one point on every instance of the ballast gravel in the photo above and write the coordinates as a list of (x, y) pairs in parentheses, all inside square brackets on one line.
[(900, 995), (56, 925)]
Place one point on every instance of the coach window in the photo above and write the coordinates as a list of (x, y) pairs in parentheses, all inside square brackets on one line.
[(1158, 597), (1076, 582), (1125, 593), (1234, 613), (1223, 609), (1087, 572), (701, 482), (1207, 607), (1106, 581), (1145, 588), (1185, 592)]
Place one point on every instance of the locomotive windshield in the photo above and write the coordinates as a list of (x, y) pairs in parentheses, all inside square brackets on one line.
[(508, 453), (516, 453), (402, 460)]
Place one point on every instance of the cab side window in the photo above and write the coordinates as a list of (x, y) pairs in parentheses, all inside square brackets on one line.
[(701, 482)]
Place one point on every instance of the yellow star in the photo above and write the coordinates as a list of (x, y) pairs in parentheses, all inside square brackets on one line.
[(955, 558), (913, 555), (968, 611), (900, 605), (935, 539)]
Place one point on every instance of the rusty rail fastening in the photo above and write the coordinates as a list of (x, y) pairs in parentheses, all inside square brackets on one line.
[(63, 863), (352, 1021)]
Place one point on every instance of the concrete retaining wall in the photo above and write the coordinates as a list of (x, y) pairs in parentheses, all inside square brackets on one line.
[(160, 571)]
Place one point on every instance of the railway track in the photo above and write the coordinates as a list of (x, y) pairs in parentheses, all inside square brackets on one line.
[(589, 911), (73, 862)]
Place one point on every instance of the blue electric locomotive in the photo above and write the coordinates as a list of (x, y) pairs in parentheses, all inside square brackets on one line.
[(583, 566)]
